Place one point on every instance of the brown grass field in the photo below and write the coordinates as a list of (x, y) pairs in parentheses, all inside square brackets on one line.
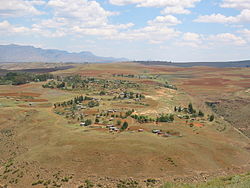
[(45, 149)]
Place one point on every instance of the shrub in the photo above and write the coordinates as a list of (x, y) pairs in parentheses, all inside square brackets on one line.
[(88, 122), (124, 126), (211, 118), (118, 122), (200, 113)]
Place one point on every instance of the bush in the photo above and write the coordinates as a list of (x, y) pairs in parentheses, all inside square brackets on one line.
[(124, 126), (88, 122), (165, 118), (211, 118), (200, 113), (118, 122), (190, 108), (102, 93)]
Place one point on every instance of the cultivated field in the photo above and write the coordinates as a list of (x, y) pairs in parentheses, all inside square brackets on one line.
[(184, 125)]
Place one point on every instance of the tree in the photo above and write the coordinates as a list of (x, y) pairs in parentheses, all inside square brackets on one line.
[(124, 126), (165, 118), (179, 109), (211, 118), (171, 117), (61, 85), (88, 122), (201, 114), (118, 122), (190, 108), (97, 120), (102, 93)]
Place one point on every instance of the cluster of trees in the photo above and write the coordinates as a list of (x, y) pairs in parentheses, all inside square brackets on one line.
[(143, 119), (92, 104), (124, 75), (52, 84), (19, 78), (165, 118), (170, 86), (134, 76), (130, 95), (190, 109), (129, 112), (75, 100), (79, 82), (161, 118)]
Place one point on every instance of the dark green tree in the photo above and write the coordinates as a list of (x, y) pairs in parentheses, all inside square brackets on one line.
[(190, 108), (211, 118), (118, 122), (88, 122), (124, 126), (200, 113)]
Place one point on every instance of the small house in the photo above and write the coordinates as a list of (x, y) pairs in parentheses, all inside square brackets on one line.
[(155, 131), (82, 124), (108, 126), (113, 129)]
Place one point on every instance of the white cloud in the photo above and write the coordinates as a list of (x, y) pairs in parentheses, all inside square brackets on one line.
[(17, 8), (245, 33), (237, 4), (192, 37), (167, 20), (123, 2), (78, 17), (75, 17), (153, 33), (242, 5), (8, 29), (215, 18), (88, 12), (170, 6), (226, 38), (175, 10), (244, 16), (211, 41)]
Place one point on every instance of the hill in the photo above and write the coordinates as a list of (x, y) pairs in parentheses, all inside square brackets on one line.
[(69, 131), (16, 53)]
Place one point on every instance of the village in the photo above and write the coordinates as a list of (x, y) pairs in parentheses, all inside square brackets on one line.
[(99, 107)]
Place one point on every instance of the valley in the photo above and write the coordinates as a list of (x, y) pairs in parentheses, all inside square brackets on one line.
[(124, 125)]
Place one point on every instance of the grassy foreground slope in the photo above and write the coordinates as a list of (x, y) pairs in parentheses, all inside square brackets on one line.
[(237, 181)]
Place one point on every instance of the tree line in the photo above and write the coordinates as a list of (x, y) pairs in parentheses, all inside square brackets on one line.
[(19, 78)]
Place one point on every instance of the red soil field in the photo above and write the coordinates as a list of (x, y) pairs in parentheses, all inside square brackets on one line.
[(150, 82), (22, 94), (215, 82), (35, 100)]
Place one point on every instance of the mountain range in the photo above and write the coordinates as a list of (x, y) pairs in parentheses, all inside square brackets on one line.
[(16, 53)]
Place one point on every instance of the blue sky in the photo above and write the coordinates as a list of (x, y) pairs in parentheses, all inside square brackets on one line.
[(172, 30)]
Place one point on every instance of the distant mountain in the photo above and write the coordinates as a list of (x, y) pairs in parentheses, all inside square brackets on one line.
[(15, 53)]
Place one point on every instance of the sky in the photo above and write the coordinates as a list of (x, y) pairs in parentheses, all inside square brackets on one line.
[(170, 30)]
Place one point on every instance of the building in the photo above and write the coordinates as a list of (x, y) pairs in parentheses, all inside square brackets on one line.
[(82, 124)]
